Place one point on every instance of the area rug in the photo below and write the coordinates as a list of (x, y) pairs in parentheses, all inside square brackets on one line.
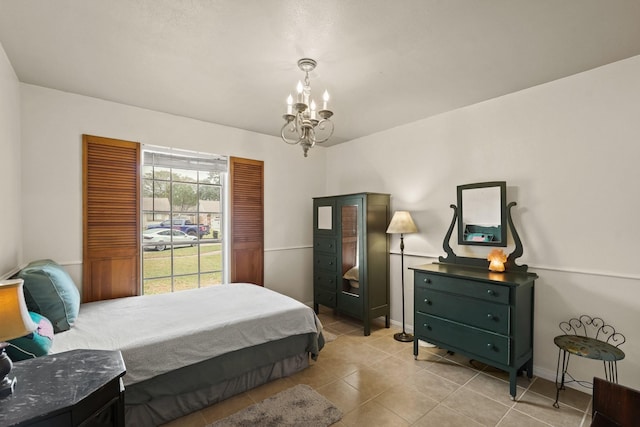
[(328, 336), (297, 406)]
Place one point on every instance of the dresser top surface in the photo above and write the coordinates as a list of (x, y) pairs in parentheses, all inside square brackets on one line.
[(475, 273)]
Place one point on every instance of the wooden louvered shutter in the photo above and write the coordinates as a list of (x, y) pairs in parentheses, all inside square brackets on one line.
[(111, 218), (247, 220)]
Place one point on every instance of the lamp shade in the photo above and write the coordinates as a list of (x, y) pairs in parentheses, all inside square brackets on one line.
[(402, 223), (15, 320)]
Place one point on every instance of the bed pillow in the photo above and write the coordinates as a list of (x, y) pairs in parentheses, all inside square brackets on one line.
[(352, 274), (35, 344), (50, 291)]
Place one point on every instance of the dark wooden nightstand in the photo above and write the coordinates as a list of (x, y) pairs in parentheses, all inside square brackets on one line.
[(74, 388)]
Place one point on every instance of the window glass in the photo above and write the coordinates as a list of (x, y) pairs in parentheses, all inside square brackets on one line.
[(184, 196)]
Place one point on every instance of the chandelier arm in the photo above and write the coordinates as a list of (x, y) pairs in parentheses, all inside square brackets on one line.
[(287, 140), (321, 125)]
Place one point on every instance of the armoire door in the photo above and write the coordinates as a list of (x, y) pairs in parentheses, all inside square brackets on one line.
[(351, 291)]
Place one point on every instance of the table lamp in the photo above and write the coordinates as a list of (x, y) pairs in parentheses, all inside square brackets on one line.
[(15, 322), (402, 224)]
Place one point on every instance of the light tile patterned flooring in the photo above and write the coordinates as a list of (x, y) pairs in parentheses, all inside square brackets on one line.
[(375, 381)]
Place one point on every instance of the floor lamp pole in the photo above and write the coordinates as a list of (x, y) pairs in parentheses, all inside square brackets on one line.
[(402, 336)]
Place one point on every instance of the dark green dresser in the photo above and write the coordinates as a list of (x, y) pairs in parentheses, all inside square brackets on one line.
[(483, 315), (351, 255)]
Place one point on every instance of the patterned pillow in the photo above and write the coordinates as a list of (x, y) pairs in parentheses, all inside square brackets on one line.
[(37, 343)]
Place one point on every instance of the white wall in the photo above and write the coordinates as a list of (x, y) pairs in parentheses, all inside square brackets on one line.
[(52, 126), (570, 152), (10, 200)]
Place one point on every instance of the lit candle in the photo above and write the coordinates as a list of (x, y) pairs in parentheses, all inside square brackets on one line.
[(290, 104), (299, 89), (325, 98), (313, 110)]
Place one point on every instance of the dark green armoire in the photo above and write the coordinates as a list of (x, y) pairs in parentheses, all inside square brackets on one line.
[(351, 255)]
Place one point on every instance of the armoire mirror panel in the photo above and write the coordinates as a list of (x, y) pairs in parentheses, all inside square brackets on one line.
[(482, 214), (324, 218), (350, 242)]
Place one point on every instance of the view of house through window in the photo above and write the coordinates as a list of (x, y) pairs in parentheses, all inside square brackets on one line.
[(182, 219)]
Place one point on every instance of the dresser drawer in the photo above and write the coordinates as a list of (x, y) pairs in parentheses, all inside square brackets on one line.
[(350, 303), (472, 288), (325, 244), (326, 298), (326, 262), (481, 314), (485, 344), (324, 280)]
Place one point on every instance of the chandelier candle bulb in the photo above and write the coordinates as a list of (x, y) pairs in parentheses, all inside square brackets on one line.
[(289, 104), (325, 98), (313, 110), (299, 89)]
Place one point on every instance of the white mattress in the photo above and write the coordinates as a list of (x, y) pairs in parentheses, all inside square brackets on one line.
[(160, 333)]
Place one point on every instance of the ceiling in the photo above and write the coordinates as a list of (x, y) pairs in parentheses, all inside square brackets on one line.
[(385, 63)]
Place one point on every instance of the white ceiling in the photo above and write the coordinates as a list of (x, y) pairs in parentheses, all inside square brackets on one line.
[(385, 63)]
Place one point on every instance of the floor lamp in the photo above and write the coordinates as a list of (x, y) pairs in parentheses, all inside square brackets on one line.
[(402, 224)]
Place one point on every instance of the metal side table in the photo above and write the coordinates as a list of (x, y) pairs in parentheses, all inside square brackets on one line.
[(603, 345)]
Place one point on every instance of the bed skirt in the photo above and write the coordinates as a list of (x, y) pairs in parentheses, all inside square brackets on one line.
[(177, 393)]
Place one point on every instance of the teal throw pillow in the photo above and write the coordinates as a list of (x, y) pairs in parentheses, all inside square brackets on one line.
[(50, 291), (35, 344)]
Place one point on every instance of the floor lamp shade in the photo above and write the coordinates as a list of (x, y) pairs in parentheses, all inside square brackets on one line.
[(15, 322), (402, 224)]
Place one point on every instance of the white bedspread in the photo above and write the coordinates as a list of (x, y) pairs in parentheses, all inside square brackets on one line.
[(160, 333)]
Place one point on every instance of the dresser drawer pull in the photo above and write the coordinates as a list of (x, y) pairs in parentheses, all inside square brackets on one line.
[(427, 326), (490, 346), (427, 280), (427, 301), (330, 262), (490, 316), (490, 292)]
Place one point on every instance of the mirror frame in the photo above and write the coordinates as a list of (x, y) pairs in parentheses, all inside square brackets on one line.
[(502, 206)]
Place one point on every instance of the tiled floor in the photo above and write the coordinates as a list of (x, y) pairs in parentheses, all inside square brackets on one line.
[(375, 381)]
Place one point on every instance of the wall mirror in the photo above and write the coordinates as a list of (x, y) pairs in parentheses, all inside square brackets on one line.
[(482, 215)]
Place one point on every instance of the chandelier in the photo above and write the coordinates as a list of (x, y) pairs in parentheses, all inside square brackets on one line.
[(305, 125)]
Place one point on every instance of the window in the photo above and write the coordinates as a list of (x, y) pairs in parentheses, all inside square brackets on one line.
[(183, 199)]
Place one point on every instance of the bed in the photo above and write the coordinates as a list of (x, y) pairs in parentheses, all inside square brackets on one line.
[(190, 349)]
